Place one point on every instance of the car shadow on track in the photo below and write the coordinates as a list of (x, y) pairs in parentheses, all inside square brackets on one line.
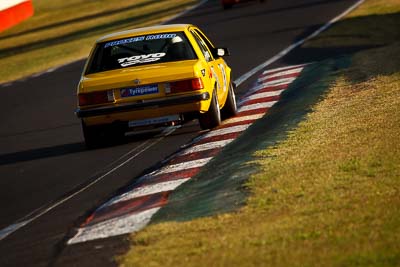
[(65, 149), (40, 153)]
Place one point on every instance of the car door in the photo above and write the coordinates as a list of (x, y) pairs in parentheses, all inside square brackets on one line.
[(217, 65)]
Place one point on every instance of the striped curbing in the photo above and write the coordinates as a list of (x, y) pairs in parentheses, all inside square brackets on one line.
[(133, 210)]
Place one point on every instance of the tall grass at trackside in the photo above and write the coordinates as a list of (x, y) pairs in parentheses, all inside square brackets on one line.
[(64, 31), (329, 194)]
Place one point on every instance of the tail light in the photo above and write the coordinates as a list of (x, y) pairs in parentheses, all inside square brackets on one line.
[(95, 98), (184, 86)]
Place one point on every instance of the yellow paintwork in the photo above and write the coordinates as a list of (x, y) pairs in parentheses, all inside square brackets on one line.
[(156, 73)]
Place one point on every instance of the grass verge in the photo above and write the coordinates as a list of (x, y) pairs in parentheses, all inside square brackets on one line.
[(64, 31), (327, 195)]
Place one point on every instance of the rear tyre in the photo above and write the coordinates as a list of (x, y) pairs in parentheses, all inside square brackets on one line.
[(211, 118), (102, 135), (230, 108), (92, 135), (227, 6)]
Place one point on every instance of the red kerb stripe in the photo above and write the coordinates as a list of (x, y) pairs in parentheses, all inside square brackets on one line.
[(262, 100), (218, 138), (195, 155), (254, 111), (128, 207), (168, 177)]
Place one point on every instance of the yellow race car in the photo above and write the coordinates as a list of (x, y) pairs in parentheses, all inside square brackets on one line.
[(150, 77)]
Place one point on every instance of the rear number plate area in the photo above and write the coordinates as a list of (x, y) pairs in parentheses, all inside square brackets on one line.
[(154, 121)]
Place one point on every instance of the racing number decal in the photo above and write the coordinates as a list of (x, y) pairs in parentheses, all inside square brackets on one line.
[(216, 77), (222, 68)]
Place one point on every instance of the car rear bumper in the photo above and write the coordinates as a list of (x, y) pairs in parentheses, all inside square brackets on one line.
[(171, 101)]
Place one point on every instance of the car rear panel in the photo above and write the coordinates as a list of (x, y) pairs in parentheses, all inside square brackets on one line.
[(138, 76), (141, 85), (144, 113)]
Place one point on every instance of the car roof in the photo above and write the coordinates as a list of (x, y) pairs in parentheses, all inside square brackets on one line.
[(144, 31)]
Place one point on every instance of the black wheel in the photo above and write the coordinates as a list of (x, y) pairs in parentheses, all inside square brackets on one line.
[(100, 135), (230, 108), (211, 118), (227, 6), (92, 135)]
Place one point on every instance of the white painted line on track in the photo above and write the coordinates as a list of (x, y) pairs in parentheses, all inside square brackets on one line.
[(285, 51), (257, 106), (42, 211), (185, 11), (38, 74), (117, 226), (146, 190), (6, 84), (11, 229)]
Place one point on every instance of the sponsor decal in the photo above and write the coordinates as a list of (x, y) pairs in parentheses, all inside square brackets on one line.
[(160, 36), (140, 38), (124, 41), (222, 68), (216, 77), (129, 61), (142, 90)]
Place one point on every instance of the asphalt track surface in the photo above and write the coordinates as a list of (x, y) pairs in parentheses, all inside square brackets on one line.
[(44, 165)]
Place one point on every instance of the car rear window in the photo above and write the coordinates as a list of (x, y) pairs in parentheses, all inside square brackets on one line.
[(140, 50)]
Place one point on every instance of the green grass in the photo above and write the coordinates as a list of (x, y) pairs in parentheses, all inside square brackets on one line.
[(327, 195), (64, 31)]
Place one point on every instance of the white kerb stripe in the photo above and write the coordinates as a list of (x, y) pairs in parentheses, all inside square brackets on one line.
[(266, 85), (146, 190), (227, 130), (285, 68), (279, 81), (183, 166), (257, 106), (261, 95), (243, 118), (118, 226), (5, 4), (206, 146), (282, 73)]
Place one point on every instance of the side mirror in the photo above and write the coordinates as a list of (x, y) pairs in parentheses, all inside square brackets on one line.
[(221, 52)]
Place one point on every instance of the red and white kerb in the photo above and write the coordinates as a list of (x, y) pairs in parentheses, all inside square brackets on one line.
[(133, 210), (13, 12)]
